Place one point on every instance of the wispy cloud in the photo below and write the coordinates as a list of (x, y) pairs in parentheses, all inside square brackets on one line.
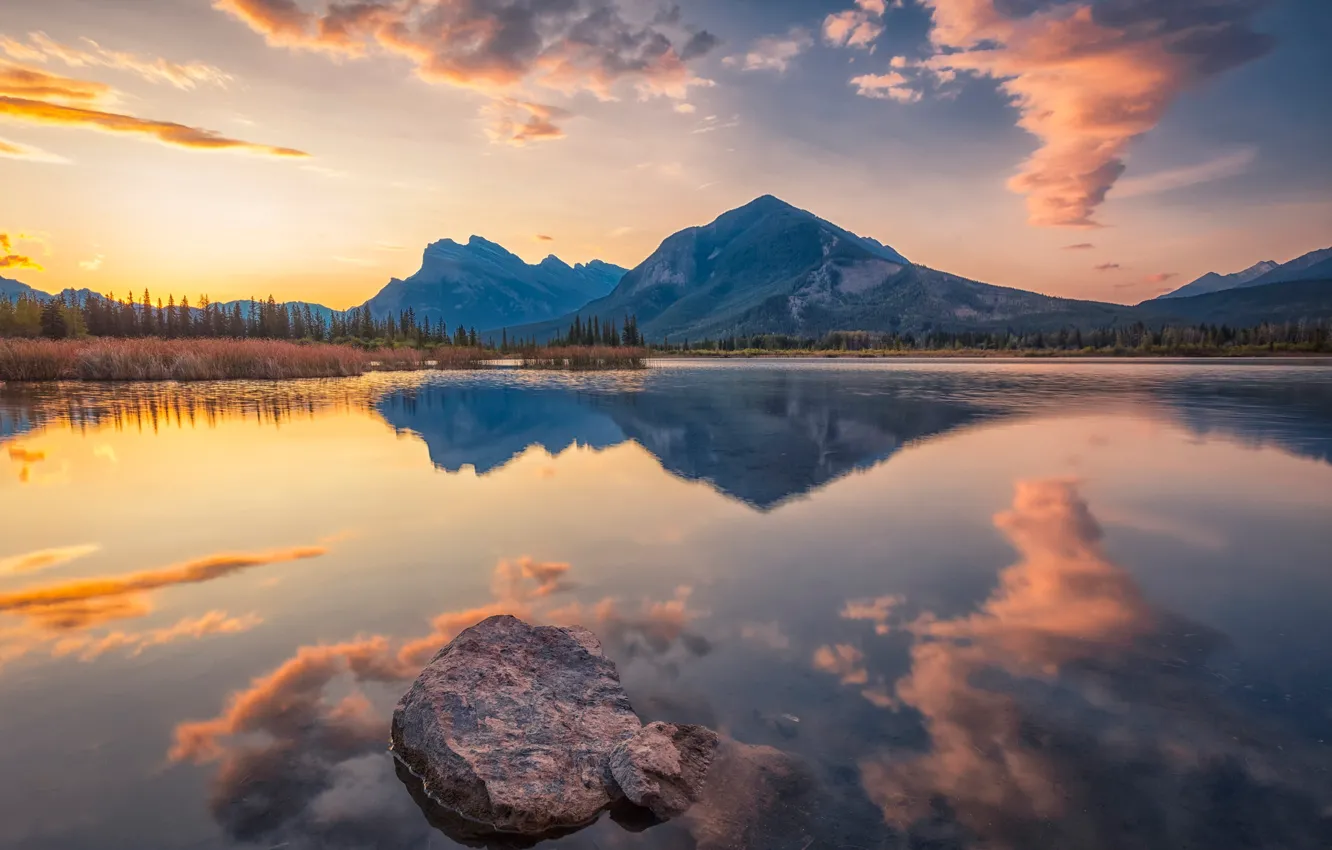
[(890, 86), (1106, 267), (1080, 246), (35, 97), (773, 53), (1161, 277), (41, 47), (92, 265), (15, 150), (1216, 168), (518, 122), (542, 237), (45, 559)]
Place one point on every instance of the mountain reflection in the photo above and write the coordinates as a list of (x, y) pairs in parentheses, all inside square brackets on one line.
[(759, 441), (757, 433)]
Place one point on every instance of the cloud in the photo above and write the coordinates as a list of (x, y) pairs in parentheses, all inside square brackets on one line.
[(10, 260), (773, 53), (858, 27), (92, 265), (1161, 277), (15, 150), (501, 48), (41, 47), (890, 86), (1106, 267), (35, 97), (542, 237), (517, 122), (686, 108), (45, 559), (1089, 78), (25, 82), (1217, 168), (1080, 246), (620, 232)]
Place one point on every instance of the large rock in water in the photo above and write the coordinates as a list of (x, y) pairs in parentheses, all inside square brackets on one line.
[(512, 726)]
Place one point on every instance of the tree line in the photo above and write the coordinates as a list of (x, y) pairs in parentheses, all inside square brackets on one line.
[(69, 315), (1304, 336)]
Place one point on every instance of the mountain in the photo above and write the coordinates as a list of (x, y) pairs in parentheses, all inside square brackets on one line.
[(769, 267), (482, 285), (12, 289), (1213, 282), (1243, 306), (1315, 265)]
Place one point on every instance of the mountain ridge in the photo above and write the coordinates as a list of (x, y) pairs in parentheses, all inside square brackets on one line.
[(483, 284)]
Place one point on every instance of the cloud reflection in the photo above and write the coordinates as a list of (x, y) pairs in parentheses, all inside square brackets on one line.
[(61, 616), (305, 740), (1070, 711)]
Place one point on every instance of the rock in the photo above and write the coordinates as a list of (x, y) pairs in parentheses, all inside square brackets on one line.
[(662, 767), (512, 726)]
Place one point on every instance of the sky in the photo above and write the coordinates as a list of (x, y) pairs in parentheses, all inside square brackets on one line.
[(1101, 149)]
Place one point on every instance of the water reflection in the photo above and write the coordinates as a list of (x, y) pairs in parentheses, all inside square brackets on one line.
[(1069, 711), (1132, 658)]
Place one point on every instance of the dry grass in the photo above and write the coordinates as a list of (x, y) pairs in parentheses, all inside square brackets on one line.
[(585, 358), (208, 359)]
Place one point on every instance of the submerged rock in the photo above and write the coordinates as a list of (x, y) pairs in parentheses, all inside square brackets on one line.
[(662, 767), (754, 796), (512, 726)]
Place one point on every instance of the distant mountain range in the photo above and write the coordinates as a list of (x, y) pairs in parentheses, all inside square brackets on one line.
[(482, 285), (1315, 265), (769, 267)]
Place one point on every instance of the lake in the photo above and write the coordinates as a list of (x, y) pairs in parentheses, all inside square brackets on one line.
[(984, 605)]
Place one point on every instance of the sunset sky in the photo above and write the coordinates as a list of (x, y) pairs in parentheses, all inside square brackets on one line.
[(1106, 149)]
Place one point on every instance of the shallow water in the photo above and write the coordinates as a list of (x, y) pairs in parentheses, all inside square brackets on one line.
[(989, 605)]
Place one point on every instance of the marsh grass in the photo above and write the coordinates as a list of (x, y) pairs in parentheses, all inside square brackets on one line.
[(211, 359)]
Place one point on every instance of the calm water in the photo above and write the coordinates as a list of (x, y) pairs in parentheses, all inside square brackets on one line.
[(978, 605)]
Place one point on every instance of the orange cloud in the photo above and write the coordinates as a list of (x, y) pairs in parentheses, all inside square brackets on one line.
[(1087, 79), (1161, 277), (24, 82), (517, 122), (178, 135), (45, 559), (10, 260), (574, 46), (14, 150), (41, 47), (857, 27)]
